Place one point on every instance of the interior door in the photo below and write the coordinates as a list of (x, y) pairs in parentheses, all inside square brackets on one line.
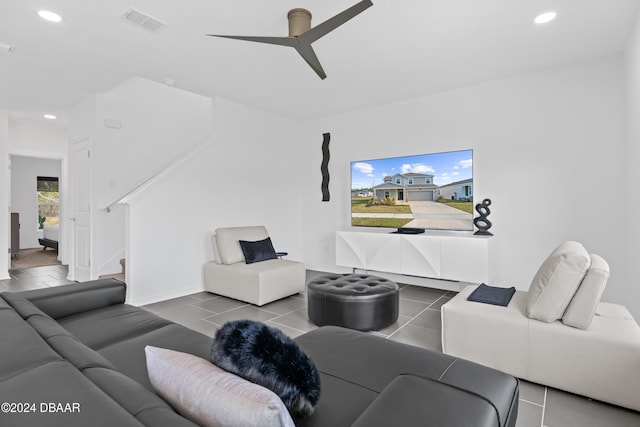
[(81, 217)]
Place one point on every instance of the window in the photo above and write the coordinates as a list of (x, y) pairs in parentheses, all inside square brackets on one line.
[(386, 194), (427, 180), (410, 181), (48, 201), (398, 180)]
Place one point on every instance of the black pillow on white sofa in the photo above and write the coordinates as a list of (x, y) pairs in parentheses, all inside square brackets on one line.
[(257, 251)]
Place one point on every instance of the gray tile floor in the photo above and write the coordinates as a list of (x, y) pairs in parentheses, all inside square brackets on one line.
[(35, 278), (418, 324)]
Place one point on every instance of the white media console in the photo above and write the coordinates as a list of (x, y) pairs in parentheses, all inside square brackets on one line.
[(446, 256)]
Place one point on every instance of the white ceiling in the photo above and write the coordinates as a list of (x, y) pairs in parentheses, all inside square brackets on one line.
[(393, 51)]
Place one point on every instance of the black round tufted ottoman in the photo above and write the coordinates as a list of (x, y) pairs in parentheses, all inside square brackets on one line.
[(356, 301)]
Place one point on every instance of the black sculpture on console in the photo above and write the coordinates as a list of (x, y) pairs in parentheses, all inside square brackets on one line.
[(481, 221)]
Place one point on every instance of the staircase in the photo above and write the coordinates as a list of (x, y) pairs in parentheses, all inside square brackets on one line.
[(118, 276)]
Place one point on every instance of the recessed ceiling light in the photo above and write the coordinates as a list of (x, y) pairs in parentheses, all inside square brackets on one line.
[(545, 17), (49, 16), (49, 116)]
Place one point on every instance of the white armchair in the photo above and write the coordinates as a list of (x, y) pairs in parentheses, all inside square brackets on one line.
[(257, 282)]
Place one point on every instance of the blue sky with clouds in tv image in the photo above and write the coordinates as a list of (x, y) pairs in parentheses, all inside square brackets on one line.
[(446, 168)]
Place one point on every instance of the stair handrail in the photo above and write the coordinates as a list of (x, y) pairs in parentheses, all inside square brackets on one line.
[(130, 196)]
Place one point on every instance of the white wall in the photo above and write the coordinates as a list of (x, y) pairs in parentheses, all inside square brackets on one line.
[(155, 125), (110, 240), (83, 120), (248, 176), (24, 199), (37, 139), (5, 225), (549, 151), (633, 170), (158, 124)]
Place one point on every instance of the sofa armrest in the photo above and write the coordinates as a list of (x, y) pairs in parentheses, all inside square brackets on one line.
[(411, 400), (66, 300)]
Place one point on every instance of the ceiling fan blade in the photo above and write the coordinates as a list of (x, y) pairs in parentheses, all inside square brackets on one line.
[(302, 43), (332, 23), (306, 51), (282, 41)]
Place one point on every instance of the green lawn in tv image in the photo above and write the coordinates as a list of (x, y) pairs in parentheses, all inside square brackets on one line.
[(433, 191), (361, 205)]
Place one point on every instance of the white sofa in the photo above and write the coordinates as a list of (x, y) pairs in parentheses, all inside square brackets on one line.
[(531, 338), (257, 283)]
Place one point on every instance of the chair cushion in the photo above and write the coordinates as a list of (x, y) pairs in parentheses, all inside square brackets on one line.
[(228, 241), (117, 323), (586, 299), (210, 396), (556, 281), (406, 396), (261, 250)]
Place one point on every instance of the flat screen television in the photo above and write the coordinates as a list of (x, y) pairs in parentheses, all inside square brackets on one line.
[(427, 191)]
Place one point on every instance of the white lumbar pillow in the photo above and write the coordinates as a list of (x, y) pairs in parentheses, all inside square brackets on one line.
[(556, 281), (586, 299), (210, 396)]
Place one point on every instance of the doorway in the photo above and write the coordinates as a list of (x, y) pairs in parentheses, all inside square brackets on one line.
[(35, 201)]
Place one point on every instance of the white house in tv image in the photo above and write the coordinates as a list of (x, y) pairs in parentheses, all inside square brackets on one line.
[(420, 187), (407, 187), (457, 190)]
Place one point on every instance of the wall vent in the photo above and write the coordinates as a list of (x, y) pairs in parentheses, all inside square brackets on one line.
[(143, 20)]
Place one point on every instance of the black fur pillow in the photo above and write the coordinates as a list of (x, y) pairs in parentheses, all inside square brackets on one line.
[(266, 356)]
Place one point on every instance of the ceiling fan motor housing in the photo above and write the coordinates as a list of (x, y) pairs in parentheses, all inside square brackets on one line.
[(299, 21)]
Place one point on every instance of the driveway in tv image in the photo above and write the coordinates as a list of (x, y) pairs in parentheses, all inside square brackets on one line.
[(439, 216), (431, 215)]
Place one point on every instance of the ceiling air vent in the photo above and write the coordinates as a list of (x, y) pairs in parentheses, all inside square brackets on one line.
[(143, 20)]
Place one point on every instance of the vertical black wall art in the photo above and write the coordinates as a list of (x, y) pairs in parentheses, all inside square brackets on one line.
[(324, 167)]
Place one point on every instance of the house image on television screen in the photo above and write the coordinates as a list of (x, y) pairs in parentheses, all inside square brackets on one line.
[(418, 186), (410, 186), (433, 191)]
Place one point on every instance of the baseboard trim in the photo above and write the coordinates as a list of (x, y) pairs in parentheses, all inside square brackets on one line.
[(150, 299)]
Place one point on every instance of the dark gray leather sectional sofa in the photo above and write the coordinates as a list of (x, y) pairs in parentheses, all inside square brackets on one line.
[(74, 356)]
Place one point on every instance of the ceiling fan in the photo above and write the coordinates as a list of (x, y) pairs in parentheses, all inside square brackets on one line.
[(301, 35)]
